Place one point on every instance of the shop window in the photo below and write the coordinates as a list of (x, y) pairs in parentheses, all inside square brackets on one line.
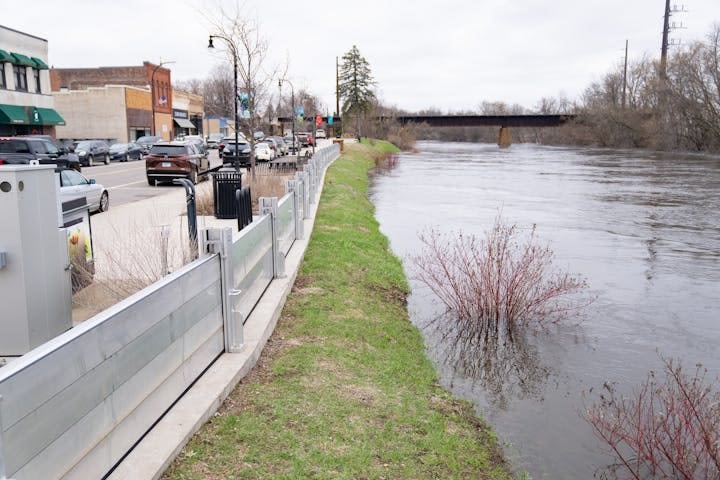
[(36, 75), (20, 77), (3, 83)]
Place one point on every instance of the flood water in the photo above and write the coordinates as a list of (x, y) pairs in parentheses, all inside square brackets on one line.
[(643, 228)]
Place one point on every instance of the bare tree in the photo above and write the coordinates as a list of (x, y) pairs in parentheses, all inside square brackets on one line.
[(254, 81), (218, 91)]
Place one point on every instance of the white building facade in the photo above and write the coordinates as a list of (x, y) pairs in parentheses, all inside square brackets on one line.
[(26, 104)]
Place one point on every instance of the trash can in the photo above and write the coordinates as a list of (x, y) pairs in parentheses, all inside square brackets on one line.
[(225, 182), (341, 142)]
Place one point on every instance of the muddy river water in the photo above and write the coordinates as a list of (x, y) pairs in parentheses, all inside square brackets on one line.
[(642, 227)]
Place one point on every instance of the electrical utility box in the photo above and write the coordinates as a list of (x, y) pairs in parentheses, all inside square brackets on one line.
[(35, 282)]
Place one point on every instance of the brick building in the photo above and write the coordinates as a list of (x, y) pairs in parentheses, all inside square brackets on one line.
[(141, 115)]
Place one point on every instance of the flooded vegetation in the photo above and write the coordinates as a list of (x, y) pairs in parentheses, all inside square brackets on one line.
[(642, 228)]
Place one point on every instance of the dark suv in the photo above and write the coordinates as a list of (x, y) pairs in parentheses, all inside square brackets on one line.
[(91, 151), (228, 149), (170, 160)]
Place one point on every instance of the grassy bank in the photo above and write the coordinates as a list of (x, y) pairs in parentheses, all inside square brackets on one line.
[(343, 389)]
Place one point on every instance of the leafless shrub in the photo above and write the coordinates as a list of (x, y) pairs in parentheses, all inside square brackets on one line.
[(498, 281), (268, 182), (129, 258), (669, 428)]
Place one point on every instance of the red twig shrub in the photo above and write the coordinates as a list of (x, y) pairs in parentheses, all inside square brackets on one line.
[(669, 428), (502, 279)]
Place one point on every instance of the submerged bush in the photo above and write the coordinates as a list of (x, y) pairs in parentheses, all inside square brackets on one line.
[(502, 279), (668, 428)]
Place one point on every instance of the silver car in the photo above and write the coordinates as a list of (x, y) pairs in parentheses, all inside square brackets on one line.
[(74, 185)]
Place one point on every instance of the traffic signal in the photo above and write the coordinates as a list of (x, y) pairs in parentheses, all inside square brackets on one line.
[(318, 120)]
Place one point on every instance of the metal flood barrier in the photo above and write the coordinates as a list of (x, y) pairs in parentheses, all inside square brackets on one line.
[(74, 406)]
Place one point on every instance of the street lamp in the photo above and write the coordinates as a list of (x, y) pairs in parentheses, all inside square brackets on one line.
[(292, 106), (230, 43), (152, 93)]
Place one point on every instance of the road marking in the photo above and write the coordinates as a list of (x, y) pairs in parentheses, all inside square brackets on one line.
[(125, 185)]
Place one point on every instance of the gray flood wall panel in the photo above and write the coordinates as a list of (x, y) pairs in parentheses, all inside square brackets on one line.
[(252, 264), (286, 222), (75, 405)]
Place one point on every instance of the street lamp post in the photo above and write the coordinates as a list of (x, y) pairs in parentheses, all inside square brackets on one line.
[(152, 93), (230, 43), (292, 115)]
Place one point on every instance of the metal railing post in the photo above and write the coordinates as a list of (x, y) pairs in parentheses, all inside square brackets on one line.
[(191, 213), (295, 187), (219, 241), (303, 179), (269, 206)]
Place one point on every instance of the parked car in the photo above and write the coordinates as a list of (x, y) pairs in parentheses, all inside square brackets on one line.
[(148, 141), (22, 150), (171, 160), (75, 185), (320, 133), (283, 147), (264, 152), (305, 139), (126, 151), (199, 142), (90, 151), (291, 142), (228, 149), (273, 145), (214, 140)]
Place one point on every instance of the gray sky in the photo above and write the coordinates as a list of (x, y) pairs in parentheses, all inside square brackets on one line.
[(451, 55)]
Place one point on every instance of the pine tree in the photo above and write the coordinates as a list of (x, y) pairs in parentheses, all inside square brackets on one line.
[(355, 85)]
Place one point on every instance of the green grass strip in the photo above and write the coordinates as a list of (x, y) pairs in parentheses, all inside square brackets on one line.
[(343, 389)]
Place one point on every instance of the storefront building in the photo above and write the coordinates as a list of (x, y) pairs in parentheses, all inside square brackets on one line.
[(149, 114), (26, 105)]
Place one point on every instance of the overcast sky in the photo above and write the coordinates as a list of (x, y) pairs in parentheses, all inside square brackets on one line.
[(451, 55)]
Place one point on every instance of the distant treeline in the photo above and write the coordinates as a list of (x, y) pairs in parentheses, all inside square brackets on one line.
[(678, 110)]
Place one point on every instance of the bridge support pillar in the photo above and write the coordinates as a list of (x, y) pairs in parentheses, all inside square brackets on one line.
[(504, 137)]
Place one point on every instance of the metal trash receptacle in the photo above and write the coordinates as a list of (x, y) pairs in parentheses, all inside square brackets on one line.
[(225, 182)]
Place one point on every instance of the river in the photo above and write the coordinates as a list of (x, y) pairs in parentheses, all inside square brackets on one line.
[(642, 227)]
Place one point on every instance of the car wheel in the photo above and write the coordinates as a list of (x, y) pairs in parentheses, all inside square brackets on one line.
[(107, 159), (151, 181), (104, 202), (193, 177), (91, 161)]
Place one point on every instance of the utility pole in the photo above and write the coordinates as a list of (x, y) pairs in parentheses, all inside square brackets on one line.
[(625, 75), (666, 42), (664, 49)]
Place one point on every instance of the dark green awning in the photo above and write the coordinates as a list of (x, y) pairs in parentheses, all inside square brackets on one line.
[(20, 59), (47, 116), (12, 114), (39, 64), (5, 56)]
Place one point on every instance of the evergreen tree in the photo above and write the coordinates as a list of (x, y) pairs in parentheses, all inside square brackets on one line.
[(355, 85)]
